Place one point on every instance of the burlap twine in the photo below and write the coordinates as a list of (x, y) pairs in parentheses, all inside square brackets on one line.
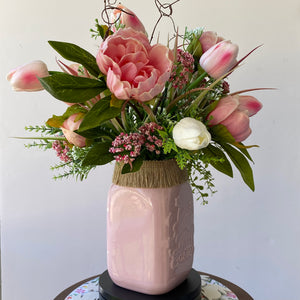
[(152, 174)]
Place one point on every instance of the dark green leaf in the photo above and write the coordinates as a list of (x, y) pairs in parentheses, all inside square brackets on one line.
[(72, 89), (99, 113), (99, 132), (221, 133), (241, 163), (98, 155), (246, 153), (136, 165), (221, 163), (76, 54)]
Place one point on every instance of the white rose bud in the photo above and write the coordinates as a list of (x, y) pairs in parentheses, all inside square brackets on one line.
[(191, 134)]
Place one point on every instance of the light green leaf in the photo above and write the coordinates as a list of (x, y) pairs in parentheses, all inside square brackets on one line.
[(72, 89), (75, 53), (57, 121)]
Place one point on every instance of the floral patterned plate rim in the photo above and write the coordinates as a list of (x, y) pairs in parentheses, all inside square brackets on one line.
[(211, 290)]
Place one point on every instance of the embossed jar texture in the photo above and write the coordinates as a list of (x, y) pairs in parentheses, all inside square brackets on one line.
[(150, 228)]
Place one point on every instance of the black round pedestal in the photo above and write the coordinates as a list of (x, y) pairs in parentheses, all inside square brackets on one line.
[(188, 290)]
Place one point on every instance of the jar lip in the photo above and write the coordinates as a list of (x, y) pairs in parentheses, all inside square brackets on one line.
[(152, 174)]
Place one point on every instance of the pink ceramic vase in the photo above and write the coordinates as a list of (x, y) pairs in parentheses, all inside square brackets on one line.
[(150, 229)]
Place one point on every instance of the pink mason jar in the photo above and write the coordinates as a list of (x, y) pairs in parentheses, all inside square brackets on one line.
[(150, 228)]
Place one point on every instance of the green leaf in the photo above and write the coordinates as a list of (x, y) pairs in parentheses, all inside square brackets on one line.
[(57, 121), (136, 165), (100, 132), (72, 89), (76, 54), (102, 29), (221, 163), (221, 133), (245, 152), (99, 113), (98, 155), (241, 163)]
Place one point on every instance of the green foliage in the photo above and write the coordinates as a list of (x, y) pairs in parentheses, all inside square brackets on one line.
[(75, 53), (74, 168), (136, 165), (218, 159), (57, 121), (101, 30), (241, 163), (43, 129), (98, 155), (99, 114), (72, 89)]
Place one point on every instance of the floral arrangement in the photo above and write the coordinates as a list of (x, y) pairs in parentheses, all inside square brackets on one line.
[(137, 100)]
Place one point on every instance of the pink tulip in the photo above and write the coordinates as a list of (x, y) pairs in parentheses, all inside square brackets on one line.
[(134, 68), (219, 59), (209, 39), (25, 78), (127, 18), (68, 128), (233, 112)]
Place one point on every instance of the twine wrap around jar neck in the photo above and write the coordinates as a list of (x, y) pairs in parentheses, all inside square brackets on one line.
[(152, 174)]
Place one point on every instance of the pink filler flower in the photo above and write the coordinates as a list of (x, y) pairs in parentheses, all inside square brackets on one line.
[(134, 68)]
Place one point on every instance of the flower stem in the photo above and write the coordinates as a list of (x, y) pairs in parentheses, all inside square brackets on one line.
[(149, 111), (172, 103), (117, 125)]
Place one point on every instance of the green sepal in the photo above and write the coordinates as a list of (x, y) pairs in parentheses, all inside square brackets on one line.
[(136, 165), (75, 53), (99, 113), (220, 163), (241, 163), (98, 155), (72, 89), (57, 121)]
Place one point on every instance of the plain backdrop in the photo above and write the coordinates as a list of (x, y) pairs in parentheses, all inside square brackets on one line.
[(53, 232)]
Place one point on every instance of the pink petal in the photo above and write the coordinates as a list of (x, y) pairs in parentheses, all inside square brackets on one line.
[(219, 59), (208, 39), (121, 89), (238, 125), (25, 78), (225, 107), (249, 105)]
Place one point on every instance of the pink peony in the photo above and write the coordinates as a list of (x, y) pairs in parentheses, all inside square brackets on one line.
[(219, 59), (134, 68), (234, 112), (25, 78), (68, 128), (127, 18)]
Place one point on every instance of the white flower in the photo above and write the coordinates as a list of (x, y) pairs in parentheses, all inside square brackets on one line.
[(191, 134)]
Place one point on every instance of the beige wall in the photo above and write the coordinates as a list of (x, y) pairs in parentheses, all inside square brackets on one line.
[(53, 233)]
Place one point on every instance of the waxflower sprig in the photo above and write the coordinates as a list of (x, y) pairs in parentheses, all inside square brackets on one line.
[(137, 100)]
